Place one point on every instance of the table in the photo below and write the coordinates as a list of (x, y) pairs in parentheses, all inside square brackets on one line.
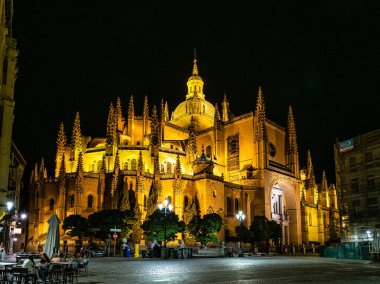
[(7, 263)]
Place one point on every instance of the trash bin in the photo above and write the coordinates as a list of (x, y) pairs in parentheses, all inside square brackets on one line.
[(127, 251)]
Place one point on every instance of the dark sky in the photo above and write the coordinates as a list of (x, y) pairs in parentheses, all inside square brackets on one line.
[(322, 58)]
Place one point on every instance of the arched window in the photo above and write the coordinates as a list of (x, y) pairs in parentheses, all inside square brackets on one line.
[(162, 168), (169, 198), (51, 204), (90, 200), (229, 205), (236, 205), (133, 165), (72, 199), (93, 167), (171, 146), (126, 166), (169, 167), (145, 201), (100, 164), (208, 151), (204, 107), (185, 202), (130, 186)]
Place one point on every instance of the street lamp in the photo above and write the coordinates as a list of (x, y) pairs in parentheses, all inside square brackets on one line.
[(241, 217), (165, 208)]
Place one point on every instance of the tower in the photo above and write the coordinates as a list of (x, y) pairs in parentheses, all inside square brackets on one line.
[(8, 73)]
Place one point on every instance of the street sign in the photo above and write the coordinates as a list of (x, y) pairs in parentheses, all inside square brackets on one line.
[(115, 230), (114, 236)]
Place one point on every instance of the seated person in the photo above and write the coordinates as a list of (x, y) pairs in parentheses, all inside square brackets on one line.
[(30, 265), (43, 266)]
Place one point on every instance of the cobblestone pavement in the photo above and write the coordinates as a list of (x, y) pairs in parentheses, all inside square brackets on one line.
[(291, 269)]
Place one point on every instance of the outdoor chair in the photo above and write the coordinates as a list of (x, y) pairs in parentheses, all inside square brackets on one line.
[(21, 275), (55, 276), (5, 276)]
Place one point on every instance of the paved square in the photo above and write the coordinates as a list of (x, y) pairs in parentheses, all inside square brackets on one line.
[(288, 269)]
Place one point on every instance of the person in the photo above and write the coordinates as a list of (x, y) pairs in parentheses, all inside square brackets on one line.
[(43, 267), (31, 266), (2, 252)]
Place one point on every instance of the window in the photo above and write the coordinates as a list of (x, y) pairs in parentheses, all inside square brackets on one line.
[(356, 205), (171, 146), (169, 198), (368, 157), (90, 200), (169, 167), (208, 151), (371, 185), (133, 165), (100, 165), (236, 205), (138, 143), (145, 201), (229, 205), (352, 161), (185, 201), (310, 220), (372, 201), (214, 193), (51, 204), (72, 199), (162, 168), (272, 150), (204, 107), (354, 185), (126, 166)]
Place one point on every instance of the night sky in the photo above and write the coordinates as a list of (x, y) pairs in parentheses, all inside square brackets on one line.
[(321, 58)]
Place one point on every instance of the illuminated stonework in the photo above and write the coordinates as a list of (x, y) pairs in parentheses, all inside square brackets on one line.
[(197, 152)]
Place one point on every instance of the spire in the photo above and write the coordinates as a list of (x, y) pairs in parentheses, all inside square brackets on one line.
[(178, 169), (192, 144), (310, 170), (261, 131), (154, 127), (195, 67), (324, 185), (225, 108), (42, 169), (111, 126), (61, 141), (140, 166), (216, 117), (118, 111), (162, 111), (80, 165), (293, 147), (35, 173), (166, 111), (62, 168), (116, 166), (76, 137), (131, 109), (146, 108)]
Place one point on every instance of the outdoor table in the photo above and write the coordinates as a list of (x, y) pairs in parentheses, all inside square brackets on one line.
[(7, 264)]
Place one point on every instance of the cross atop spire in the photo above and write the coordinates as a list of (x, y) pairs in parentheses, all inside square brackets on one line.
[(195, 67)]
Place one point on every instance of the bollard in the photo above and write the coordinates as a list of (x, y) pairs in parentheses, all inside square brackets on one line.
[(136, 254), (313, 247), (303, 249)]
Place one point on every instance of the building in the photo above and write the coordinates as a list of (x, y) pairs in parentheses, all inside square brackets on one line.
[(228, 163), (357, 164), (8, 60)]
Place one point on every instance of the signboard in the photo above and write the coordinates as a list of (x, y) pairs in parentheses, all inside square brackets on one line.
[(346, 145), (114, 236), (17, 231), (115, 230)]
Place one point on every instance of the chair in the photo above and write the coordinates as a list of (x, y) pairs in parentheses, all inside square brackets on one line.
[(55, 276), (6, 276), (21, 276)]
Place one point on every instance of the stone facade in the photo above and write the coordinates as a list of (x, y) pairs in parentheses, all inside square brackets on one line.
[(229, 163)]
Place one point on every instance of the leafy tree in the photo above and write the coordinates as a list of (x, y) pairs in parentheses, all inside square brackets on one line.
[(333, 230), (101, 222), (203, 229), (75, 226), (154, 226), (261, 230), (244, 234), (275, 232)]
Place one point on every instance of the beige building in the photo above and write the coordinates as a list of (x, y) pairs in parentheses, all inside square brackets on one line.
[(357, 164), (200, 150)]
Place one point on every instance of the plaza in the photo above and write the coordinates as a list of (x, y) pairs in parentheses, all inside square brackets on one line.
[(275, 269)]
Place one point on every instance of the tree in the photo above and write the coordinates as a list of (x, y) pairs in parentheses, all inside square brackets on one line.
[(245, 234), (275, 232), (203, 229), (101, 222), (154, 226), (333, 230), (261, 230), (75, 226)]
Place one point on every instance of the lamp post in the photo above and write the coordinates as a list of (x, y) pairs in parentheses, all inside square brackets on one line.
[(24, 217), (165, 207), (241, 217), (6, 227)]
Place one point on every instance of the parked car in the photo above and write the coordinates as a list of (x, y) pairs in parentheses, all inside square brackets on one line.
[(96, 251)]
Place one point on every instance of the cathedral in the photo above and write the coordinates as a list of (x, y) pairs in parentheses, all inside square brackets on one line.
[(200, 151)]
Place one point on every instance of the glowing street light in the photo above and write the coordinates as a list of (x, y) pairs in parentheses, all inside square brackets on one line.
[(241, 217), (9, 205), (165, 208)]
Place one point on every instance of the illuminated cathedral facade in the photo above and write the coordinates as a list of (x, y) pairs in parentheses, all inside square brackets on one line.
[(200, 151)]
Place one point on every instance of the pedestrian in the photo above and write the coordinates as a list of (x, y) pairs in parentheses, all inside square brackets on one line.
[(2, 252)]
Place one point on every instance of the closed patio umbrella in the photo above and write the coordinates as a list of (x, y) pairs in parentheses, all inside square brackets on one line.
[(52, 237)]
